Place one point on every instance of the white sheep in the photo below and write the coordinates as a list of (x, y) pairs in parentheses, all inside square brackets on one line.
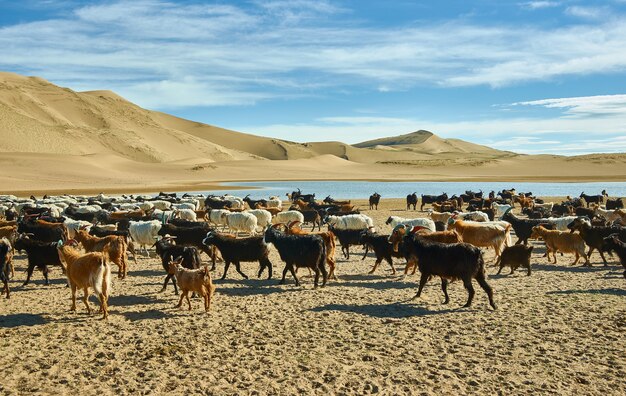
[(473, 216), (185, 205), (236, 202), (500, 210), (546, 206), (241, 222), (162, 205), (145, 206), (353, 222), (75, 225), (144, 233), (421, 221), (274, 202), (217, 216), (287, 217), (263, 217), (185, 214), (88, 209)]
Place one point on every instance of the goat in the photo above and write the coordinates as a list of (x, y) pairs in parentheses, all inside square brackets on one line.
[(238, 250), (523, 227), (383, 250), (430, 199), (515, 256), (375, 199), (347, 238), (329, 241), (560, 241), (85, 271), (101, 232), (190, 236), (144, 232), (594, 236), (263, 217), (592, 198), (43, 233), (615, 203), (612, 243), (299, 251), (6, 257), (194, 280), (167, 250), (411, 199), (40, 255), (493, 235), (114, 247), (450, 262), (350, 222)]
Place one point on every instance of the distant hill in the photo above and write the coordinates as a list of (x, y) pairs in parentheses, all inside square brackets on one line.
[(40, 117)]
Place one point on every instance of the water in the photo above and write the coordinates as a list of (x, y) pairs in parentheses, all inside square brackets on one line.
[(363, 189)]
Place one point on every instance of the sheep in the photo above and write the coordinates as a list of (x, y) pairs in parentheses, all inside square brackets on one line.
[(500, 209), (274, 202), (442, 217), (515, 256), (374, 200), (216, 216), (185, 214), (144, 232), (40, 255), (161, 205), (263, 217), (145, 206), (422, 222), (560, 241), (6, 257), (350, 222), (184, 205), (493, 235), (299, 251), (89, 270), (594, 236), (329, 241), (114, 246), (236, 250), (287, 217), (192, 280), (548, 206), (450, 262), (236, 202), (612, 243), (242, 222), (74, 225), (167, 250), (472, 216)]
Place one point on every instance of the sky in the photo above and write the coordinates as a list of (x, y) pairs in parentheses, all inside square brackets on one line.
[(527, 76)]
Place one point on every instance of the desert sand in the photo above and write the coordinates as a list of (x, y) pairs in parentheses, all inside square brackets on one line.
[(55, 140), (559, 331)]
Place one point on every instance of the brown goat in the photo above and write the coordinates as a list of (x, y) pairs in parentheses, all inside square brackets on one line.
[(48, 224), (85, 271), (194, 280), (560, 241), (115, 247)]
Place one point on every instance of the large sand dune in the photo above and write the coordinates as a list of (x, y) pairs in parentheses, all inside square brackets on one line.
[(55, 139)]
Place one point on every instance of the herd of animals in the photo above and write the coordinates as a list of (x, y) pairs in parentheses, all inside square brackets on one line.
[(85, 235)]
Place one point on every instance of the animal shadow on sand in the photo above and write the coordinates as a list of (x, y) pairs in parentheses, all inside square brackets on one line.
[(252, 287), (611, 291), (146, 315), (381, 282), (389, 311), (21, 319)]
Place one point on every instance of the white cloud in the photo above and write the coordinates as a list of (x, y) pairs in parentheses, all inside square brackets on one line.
[(536, 5), (587, 12), (601, 105)]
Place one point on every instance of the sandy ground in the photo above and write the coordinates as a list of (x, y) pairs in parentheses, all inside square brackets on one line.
[(559, 331)]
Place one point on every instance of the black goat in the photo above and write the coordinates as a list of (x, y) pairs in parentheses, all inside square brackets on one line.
[(430, 199), (515, 256), (190, 236), (253, 202), (615, 203), (238, 250), (374, 200), (594, 236), (592, 198), (168, 251), (612, 243), (382, 248), (299, 251), (217, 203), (346, 239), (40, 255), (523, 227), (42, 233), (411, 199), (450, 262), (6, 255)]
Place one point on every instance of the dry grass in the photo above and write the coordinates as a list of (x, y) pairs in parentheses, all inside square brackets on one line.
[(559, 331)]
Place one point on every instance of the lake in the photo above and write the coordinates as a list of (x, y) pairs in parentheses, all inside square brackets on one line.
[(363, 189)]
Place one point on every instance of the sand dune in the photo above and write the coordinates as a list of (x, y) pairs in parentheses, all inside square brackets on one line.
[(55, 139)]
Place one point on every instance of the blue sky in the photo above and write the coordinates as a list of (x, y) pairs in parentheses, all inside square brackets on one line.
[(527, 76)]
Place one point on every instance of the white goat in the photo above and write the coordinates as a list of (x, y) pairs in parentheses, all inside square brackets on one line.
[(287, 217), (353, 222), (144, 233), (421, 221)]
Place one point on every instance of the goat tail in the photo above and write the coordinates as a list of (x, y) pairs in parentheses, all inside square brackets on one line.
[(101, 277), (507, 233), (481, 263)]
